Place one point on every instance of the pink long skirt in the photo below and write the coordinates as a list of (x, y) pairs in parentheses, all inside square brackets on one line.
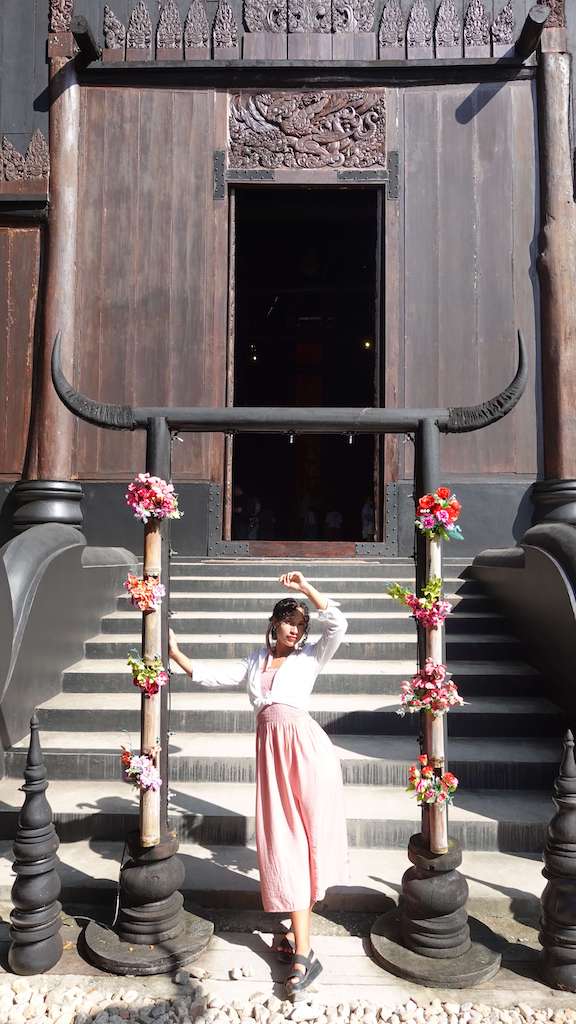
[(300, 822)]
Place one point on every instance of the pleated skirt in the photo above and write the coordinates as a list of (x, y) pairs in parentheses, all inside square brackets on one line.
[(300, 820)]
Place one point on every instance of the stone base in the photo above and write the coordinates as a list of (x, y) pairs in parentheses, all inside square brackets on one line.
[(477, 965), (105, 949)]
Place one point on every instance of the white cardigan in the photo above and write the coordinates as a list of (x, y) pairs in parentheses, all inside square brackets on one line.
[(294, 680)]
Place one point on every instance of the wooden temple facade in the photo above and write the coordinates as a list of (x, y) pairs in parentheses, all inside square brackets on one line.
[(305, 202)]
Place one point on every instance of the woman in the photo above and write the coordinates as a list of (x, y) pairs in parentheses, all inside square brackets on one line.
[(300, 823)]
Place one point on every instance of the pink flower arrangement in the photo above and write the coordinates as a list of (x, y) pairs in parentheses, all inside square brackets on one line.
[(430, 609), (149, 497), (147, 676), (429, 787), (430, 691), (140, 770), (437, 515), (146, 594)]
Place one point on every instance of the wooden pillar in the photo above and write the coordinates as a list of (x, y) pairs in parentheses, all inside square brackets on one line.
[(557, 268), (56, 424), (47, 494)]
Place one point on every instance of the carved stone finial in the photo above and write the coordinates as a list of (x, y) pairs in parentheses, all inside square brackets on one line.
[(196, 32), (114, 30), (13, 163), (61, 15), (557, 930), (391, 31), (503, 26), (36, 944), (169, 31), (419, 29), (139, 34), (37, 159), (447, 30), (225, 30), (353, 15), (476, 25), (266, 15)]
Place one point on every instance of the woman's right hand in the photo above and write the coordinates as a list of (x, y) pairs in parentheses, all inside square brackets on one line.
[(173, 649)]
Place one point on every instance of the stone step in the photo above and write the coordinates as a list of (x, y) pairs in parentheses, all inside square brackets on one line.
[(334, 585), (509, 763), (226, 710), (208, 813), (357, 645), (227, 876), (392, 620), (259, 602), (313, 568), (474, 678)]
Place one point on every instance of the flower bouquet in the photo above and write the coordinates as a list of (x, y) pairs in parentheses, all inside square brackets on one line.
[(147, 676), (149, 497), (140, 770), (430, 609), (145, 594), (429, 690), (437, 515), (429, 787)]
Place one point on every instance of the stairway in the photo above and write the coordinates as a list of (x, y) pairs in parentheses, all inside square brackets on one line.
[(503, 744)]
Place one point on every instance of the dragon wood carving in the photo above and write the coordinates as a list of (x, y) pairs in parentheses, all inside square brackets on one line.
[(308, 130)]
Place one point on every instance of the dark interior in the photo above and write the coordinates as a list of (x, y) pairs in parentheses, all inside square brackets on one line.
[(305, 336)]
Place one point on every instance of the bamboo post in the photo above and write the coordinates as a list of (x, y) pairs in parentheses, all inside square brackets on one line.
[(434, 724), (150, 741)]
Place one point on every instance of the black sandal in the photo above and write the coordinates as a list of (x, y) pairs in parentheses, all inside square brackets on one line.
[(296, 982)]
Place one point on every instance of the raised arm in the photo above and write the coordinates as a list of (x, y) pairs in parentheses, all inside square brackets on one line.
[(333, 623), (231, 674)]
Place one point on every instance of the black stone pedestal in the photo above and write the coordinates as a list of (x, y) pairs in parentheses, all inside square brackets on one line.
[(154, 934), (478, 964), (428, 939), (106, 950)]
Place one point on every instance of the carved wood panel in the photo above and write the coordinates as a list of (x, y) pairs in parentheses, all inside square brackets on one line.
[(35, 164), (308, 130)]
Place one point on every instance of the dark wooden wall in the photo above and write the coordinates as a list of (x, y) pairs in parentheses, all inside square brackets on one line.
[(19, 270), (23, 70), (470, 223), (152, 268)]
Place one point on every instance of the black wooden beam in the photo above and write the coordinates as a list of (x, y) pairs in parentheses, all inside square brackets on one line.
[(532, 29), (23, 207), (85, 39), (321, 74)]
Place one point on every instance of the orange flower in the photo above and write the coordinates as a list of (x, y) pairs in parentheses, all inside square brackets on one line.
[(125, 757), (426, 501), (443, 492), (423, 758)]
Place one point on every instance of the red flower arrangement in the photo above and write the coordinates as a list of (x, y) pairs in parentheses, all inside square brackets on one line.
[(149, 497), (140, 770), (147, 676), (429, 690), (437, 515), (145, 594), (430, 609), (429, 787)]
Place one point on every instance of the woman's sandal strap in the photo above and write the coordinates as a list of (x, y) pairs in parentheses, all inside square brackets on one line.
[(304, 961)]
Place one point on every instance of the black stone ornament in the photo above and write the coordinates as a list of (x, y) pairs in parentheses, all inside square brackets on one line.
[(427, 939), (36, 943), (558, 921)]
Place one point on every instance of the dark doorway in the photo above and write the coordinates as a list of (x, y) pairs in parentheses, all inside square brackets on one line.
[(306, 295)]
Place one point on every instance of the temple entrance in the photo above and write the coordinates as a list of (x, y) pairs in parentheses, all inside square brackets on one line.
[(306, 334)]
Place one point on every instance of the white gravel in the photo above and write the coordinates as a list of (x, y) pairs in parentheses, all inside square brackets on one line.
[(52, 1000)]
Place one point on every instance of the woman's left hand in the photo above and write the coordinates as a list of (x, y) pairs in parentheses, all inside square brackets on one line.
[(293, 581)]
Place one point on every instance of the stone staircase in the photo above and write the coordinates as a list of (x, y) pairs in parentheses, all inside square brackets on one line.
[(503, 744)]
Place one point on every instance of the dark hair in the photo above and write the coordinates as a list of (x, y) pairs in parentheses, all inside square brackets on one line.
[(281, 611)]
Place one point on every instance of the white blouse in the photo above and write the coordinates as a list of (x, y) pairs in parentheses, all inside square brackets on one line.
[(294, 680)]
